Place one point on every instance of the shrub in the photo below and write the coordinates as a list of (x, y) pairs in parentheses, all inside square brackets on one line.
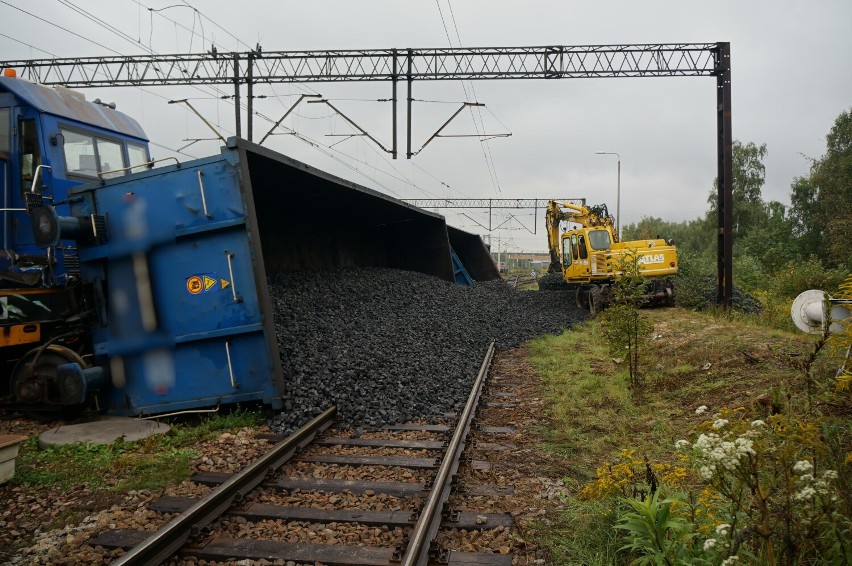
[(800, 276), (748, 490)]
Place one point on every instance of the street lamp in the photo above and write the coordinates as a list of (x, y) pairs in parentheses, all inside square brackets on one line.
[(618, 193)]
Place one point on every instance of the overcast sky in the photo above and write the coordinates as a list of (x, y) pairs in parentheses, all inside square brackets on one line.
[(791, 64)]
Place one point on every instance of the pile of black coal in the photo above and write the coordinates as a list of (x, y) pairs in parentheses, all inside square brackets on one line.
[(700, 292), (387, 345)]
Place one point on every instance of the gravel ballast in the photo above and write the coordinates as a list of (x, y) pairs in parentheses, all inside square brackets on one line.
[(389, 346)]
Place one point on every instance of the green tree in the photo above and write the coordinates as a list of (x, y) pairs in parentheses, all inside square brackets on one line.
[(769, 241), (805, 217), (749, 176), (696, 237), (826, 204)]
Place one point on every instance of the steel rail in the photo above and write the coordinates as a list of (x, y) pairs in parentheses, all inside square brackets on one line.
[(173, 535), (417, 551)]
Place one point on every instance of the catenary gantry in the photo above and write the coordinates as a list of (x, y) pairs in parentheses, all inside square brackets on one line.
[(394, 65)]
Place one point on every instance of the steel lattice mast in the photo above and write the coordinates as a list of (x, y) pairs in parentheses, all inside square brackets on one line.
[(469, 63), (434, 64)]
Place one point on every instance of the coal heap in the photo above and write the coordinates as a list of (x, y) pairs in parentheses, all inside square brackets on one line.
[(388, 346)]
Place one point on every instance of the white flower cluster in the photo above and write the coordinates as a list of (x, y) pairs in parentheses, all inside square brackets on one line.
[(723, 529), (729, 561), (718, 451), (709, 543), (701, 409), (803, 467), (809, 486)]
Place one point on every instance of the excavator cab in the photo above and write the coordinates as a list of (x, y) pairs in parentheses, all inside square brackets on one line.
[(585, 253)]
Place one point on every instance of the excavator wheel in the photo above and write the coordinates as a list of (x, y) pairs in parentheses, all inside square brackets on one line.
[(595, 300), (581, 297)]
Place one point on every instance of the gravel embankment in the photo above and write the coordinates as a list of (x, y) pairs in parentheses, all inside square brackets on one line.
[(388, 346)]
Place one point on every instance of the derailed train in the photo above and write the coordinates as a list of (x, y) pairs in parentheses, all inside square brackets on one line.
[(136, 289)]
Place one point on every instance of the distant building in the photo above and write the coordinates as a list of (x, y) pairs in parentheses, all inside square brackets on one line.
[(523, 261)]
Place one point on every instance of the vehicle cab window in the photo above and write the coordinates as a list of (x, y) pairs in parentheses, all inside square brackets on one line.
[(581, 244), (566, 252), (79, 152), (30, 153), (599, 239), (110, 158), (5, 136), (138, 154), (86, 155)]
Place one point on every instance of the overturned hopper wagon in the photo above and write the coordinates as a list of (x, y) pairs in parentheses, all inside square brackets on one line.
[(159, 301)]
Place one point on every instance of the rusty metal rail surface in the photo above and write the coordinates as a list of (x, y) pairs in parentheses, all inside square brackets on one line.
[(417, 551), (163, 543)]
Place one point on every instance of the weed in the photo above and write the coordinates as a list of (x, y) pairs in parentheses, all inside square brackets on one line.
[(67, 465)]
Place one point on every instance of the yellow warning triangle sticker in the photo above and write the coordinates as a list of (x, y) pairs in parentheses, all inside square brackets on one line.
[(209, 282), (225, 283)]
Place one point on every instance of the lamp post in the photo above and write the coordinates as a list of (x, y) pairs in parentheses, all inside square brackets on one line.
[(617, 194)]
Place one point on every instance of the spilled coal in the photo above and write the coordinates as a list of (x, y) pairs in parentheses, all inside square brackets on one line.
[(388, 346)]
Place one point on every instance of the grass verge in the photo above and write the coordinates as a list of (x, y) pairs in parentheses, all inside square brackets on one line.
[(155, 462), (688, 360)]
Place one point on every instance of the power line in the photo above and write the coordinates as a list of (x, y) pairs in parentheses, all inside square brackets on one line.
[(28, 45), (87, 15), (315, 144), (402, 177), (318, 145), (488, 164), (140, 88), (45, 20), (486, 144), (239, 41), (126, 37)]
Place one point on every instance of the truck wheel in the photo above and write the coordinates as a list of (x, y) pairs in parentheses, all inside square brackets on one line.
[(34, 382)]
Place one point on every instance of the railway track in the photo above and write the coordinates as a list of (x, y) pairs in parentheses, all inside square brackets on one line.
[(323, 496)]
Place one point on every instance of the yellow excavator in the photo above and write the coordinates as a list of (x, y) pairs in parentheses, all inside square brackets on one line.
[(591, 257)]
